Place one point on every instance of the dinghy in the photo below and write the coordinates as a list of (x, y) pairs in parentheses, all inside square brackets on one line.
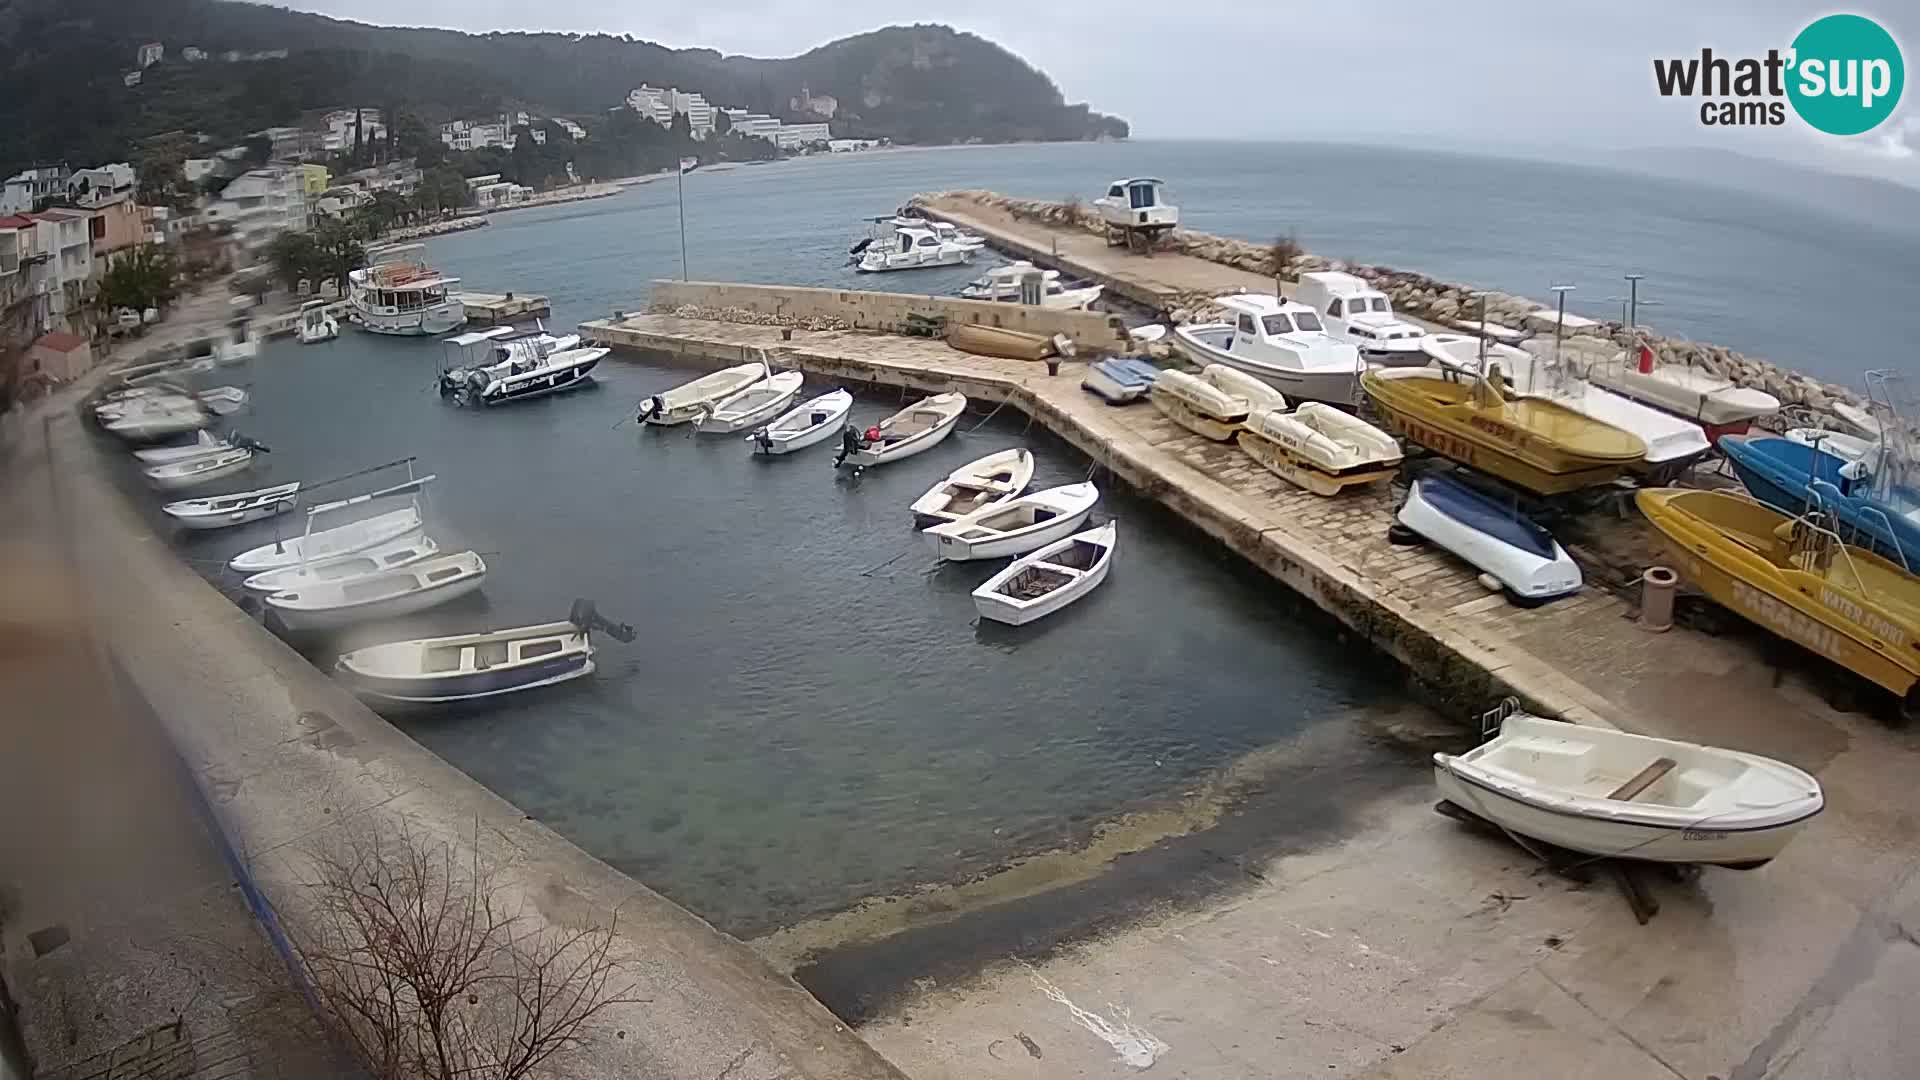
[(913, 430), (1198, 405), (220, 511), (1013, 528), (204, 442), (989, 481), (1838, 443), (690, 401), (180, 475), (755, 405), (223, 400), (1040, 583), (1618, 795), (1120, 380), (1493, 538), (314, 545), (388, 556), (812, 422), (388, 594), (470, 667), (1320, 448)]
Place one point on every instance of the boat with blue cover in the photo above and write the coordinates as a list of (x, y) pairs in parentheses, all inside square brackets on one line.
[(1121, 379), (1793, 477), (1495, 538)]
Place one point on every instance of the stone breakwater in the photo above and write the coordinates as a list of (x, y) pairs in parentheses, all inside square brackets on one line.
[(751, 318), (437, 228), (1438, 301)]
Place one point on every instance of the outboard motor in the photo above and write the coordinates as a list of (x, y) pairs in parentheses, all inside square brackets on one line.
[(763, 440), (449, 383), (584, 616), (476, 386), (860, 246), (651, 408), (849, 442)]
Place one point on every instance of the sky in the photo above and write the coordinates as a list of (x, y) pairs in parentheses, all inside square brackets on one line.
[(1573, 76)]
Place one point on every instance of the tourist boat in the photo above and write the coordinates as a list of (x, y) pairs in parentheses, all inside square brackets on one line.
[(1536, 444), (388, 556), (812, 422), (316, 323), (220, 511), (223, 400), (1003, 284), (1136, 211), (398, 293), (472, 667), (1319, 447), (388, 594), (180, 475), (162, 420), (998, 341), (987, 481), (1715, 403), (911, 247), (1282, 343), (1795, 577), (1672, 443), (1013, 528), (1614, 794), (755, 405), (913, 430), (1358, 313), (690, 401), (204, 443), (1042, 582), (1793, 477), (1121, 379), (524, 364), (1198, 405), (1491, 536), (314, 545)]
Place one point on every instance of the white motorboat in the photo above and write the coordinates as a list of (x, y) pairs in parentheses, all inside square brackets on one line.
[(223, 400), (1838, 443), (155, 400), (316, 544), (1149, 334), (1135, 212), (947, 231), (220, 511), (911, 247), (391, 555), (987, 481), (1013, 528), (316, 324), (1283, 344), (144, 390), (388, 594), (160, 421), (1358, 313), (1198, 405), (1529, 564), (204, 442), (753, 406), (524, 364), (690, 401), (472, 667), (1004, 284), (1614, 794), (1714, 403), (915, 429), (1121, 379), (180, 475), (811, 422), (398, 293), (1320, 447), (1044, 581)]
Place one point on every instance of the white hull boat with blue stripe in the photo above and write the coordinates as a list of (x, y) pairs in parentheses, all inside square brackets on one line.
[(469, 667), (1510, 548), (221, 511)]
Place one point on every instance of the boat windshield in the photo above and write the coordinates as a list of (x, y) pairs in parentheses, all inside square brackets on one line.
[(1380, 304), (1308, 320), (1277, 324)]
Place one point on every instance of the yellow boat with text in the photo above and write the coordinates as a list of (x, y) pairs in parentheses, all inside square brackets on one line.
[(1532, 443), (1794, 577)]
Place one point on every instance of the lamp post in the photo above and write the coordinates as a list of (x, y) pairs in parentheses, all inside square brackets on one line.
[(680, 188)]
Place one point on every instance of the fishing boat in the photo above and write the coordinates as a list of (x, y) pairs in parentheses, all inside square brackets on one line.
[(1005, 284), (388, 594), (398, 293), (1536, 444), (690, 401), (1492, 537), (812, 422), (180, 475), (913, 430), (354, 536), (316, 323), (1198, 405), (1319, 447), (1042, 582), (1282, 343), (997, 341), (1120, 380), (1358, 313), (223, 400), (220, 511), (1614, 794), (1716, 404), (472, 667), (204, 443), (1793, 477), (987, 481), (755, 405), (911, 247), (543, 367), (1795, 577), (388, 556), (1013, 528)]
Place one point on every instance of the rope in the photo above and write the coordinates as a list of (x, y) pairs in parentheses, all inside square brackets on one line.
[(990, 416)]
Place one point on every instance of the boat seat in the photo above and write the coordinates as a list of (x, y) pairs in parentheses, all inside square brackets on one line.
[(1552, 761), (1643, 780)]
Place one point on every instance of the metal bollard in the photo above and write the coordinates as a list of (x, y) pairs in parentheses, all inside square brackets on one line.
[(1657, 587)]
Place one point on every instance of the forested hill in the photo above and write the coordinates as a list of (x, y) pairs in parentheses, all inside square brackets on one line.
[(62, 97)]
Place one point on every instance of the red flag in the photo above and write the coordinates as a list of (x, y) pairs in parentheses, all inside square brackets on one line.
[(1646, 359)]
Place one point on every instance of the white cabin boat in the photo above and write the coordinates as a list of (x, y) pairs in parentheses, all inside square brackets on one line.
[(915, 429), (692, 400), (1005, 284), (220, 511), (912, 247), (1198, 405), (1706, 399), (387, 594), (316, 324), (946, 230), (522, 364), (1361, 315), (1042, 582), (398, 293), (1136, 212), (1283, 344), (1320, 448), (812, 422), (180, 475), (753, 406), (1013, 528), (388, 556), (987, 481), (1614, 794)]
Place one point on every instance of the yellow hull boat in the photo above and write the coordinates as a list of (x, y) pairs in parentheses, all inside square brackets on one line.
[(1532, 443), (1794, 577)]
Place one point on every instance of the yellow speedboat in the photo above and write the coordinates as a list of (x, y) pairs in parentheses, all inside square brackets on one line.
[(1532, 443), (1795, 577)]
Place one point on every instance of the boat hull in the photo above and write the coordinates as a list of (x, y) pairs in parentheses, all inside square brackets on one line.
[(997, 342), (227, 519), (1297, 470), (472, 685), (1332, 387), (1525, 574), (399, 525), (906, 448), (1207, 426), (1018, 542), (334, 618), (434, 321), (569, 378), (1000, 608), (183, 482)]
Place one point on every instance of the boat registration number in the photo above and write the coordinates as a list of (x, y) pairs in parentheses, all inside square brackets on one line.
[(1701, 834)]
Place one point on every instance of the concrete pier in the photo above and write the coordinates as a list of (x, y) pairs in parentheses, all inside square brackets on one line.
[(491, 309)]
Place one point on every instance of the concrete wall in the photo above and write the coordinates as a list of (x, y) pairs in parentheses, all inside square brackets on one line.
[(886, 311)]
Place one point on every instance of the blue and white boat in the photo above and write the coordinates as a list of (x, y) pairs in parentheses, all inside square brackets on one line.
[(1121, 379), (1793, 478), (1496, 539), (468, 667)]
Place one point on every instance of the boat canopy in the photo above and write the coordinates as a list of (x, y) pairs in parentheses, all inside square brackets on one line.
[(1478, 511), (475, 337)]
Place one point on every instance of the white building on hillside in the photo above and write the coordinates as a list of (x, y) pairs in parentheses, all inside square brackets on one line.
[(660, 106), (574, 131), (471, 135), (24, 189), (794, 136), (339, 129), (260, 204), (91, 189)]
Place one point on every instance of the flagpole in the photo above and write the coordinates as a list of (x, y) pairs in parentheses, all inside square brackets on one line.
[(680, 183)]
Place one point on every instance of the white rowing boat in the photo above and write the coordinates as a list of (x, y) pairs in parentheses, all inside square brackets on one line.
[(913, 430), (755, 405), (471, 667), (204, 443), (987, 481), (1042, 582), (811, 422), (220, 511), (388, 556), (192, 472), (690, 401), (388, 594), (327, 543), (1014, 528)]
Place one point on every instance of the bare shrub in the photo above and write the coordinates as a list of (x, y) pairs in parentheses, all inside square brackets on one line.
[(1281, 255)]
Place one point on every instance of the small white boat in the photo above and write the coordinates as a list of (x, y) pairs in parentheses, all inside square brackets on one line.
[(755, 405), (1042, 582), (1013, 528), (1280, 342), (690, 401), (911, 247), (1198, 405), (1121, 379), (180, 475), (239, 346), (1003, 284), (1618, 795), (223, 400), (142, 401), (1358, 313), (316, 324), (472, 667), (388, 556), (204, 443), (1320, 447), (987, 481), (220, 511), (1838, 443), (1514, 550), (159, 422), (913, 430), (387, 594), (317, 544), (811, 422), (1714, 403)]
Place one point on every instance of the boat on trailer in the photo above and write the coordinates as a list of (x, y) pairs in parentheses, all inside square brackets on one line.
[(472, 667), (1280, 342), (915, 429), (387, 594), (1042, 582), (1015, 527), (1715, 403), (1492, 537), (987, 481), (1320, 447), (755, 405), (221, 511), (692, 400), (812, 422), (1198, 405)]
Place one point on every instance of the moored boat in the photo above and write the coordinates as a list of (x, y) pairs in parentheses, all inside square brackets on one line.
[(388, 556), (223, 400), (471, 667), (811, 422), (1045, 580), (387, 594), (911, 247), (987, 481), (689, 401), (1121, 379), (398, 293), (220, 511), (1280, 342), (313, 544), (1198, 405), (913, 430), (316, 323), (161, 420), (521, 364), (1492, 537), (758, 403), (192, 472), (1013, 528), (1004, 284), (1319, 447), (204, 442)]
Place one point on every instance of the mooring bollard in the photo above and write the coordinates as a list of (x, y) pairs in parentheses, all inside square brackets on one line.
[(1657, 587)]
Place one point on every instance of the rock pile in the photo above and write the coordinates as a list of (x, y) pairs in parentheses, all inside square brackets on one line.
[(756, 318)]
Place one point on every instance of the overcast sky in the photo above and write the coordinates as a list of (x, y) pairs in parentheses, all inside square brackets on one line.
[(1483, 73)]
